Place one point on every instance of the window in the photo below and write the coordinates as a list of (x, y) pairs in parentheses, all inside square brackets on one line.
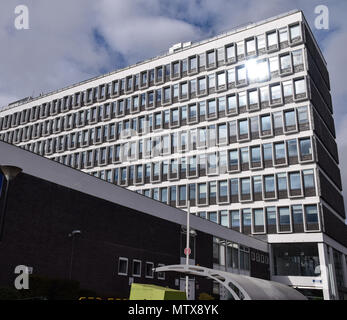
[(202, 192), (161, 275), (302, 115), (136, 268), (241, 74), (211, 107), (211, 58), (308, 179), (295, 32), (283, 33), (221, 79), (300, 87), (243, 127), (255, 154), (265, 123), (123, 266), (163, 195), (287, 89), (273, 62), (258, 217), (305, 147), (311, 214), (192, 63), (289, 118), (149, 270), (235, 219), (284, 216), (267, 149), (285, 61), (292, 148), (173, 194), (275, 92), (224, 218), (294, 181), (272, 39), (297, 214), (282, 181), (230, 52), (245, 186), (246, 217), (271, 216), (257, 185), (253, 97), (212, 216), (297, 58), (250, 46), (280, 152), (269, 184), (223, 188)]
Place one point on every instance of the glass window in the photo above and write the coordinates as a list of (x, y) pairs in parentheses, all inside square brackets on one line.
[(297, 214), (202, 191), (300, 86), (261, 41), (231, 75), (292, 148), (308, 178), (258, 217), (211, 58), (255, 154), (283, 33), (245, 186), (297, 57), (273, 62), (265, 123), (272, 39), (223, 188), (234, 187), (280, 151), (302, 115), (311, 214), (233, 157), (294, 181), (244, 155), (282, 181), (295, 32), (267, 149), (235, 218), (221, 79), (284, 216), (221, 104), (241, 73), (230, 52), (173, 193), (192, 63), (285, 61), (287, 88), (243, 127), (224, 218), (212, 216), (269, 183), (257, 184), (289, 117), (305, 147), (253, 97), (271, 216), (182, 193), (246, 217), (211, 107), (250, 45), (276, 92)]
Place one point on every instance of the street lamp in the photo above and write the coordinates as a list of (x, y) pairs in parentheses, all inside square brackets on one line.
[(10, 173), (72, 235)]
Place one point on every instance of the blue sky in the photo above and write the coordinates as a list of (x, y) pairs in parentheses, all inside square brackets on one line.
[(70, 41)]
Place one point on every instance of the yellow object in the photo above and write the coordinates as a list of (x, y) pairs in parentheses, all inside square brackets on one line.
[(140, 291)]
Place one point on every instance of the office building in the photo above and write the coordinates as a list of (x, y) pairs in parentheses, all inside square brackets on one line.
[(241, 125)]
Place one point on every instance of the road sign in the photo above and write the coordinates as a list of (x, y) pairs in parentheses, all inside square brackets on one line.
[(187, 251)]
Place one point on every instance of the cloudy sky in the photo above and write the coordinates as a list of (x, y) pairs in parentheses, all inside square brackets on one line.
[(72, 40)]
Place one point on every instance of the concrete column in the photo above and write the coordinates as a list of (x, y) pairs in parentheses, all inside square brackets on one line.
[(324, 267), (271, 261), (332, 274), (344, 269)]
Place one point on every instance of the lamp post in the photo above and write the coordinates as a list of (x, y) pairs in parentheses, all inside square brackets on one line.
[(187, 246), (72, 235), (10, 173)]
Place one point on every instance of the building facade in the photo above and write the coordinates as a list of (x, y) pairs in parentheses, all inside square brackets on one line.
[(240, 125)]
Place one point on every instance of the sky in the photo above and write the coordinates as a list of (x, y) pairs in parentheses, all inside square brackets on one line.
[(71, 41)]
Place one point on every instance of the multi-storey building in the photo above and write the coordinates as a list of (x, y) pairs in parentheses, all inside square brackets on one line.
[(240, 125)]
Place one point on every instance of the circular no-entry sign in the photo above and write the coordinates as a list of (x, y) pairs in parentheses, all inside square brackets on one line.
[(187, 251)]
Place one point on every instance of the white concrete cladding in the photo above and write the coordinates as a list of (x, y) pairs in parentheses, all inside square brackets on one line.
[(52, 171), (196, 48)]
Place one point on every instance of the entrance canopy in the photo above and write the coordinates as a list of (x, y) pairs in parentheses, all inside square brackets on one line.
[(241, 287)]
